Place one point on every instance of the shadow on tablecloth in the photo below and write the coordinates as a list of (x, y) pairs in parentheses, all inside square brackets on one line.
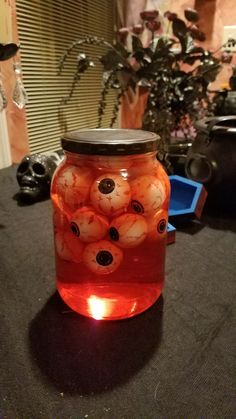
[(81, 355)]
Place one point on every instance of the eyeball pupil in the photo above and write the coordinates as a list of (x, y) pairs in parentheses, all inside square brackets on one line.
[(106, 186), (137, 207), (104, 258), (114, 234), (75, 229), (161, 226)]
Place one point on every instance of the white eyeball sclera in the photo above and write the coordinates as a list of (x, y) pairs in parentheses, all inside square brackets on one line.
[(68, 246), (110, 194), (72, 184), (88, 225), (111, 163), (147, 194), (157, 225), (60, 218), (128, 230), (102, 257)]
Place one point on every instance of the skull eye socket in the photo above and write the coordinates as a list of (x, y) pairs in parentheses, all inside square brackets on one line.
[(23, 167), (38, 169)]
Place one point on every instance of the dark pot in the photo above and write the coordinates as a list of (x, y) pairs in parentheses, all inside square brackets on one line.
[(225, 103), (212, 159), (232, 82)]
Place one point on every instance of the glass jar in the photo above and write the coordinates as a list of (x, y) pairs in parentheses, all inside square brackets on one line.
[(110, 198)]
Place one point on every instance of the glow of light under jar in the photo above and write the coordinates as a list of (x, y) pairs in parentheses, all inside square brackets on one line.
[(98, 307)]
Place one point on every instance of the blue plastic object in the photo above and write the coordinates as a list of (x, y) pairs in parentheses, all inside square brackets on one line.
[(187, 198), (171, 230)]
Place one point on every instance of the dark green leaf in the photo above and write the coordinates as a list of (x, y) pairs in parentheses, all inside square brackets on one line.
[(126, 78), (163, 45), (189, 45), (8, 51), (179, 28), (209, 69), (190, 59), (139, 54), (191, 15), (136, 43), (112, 60), (197, 34), (122, 50), (183, 42), (196, 50), (148, 51)]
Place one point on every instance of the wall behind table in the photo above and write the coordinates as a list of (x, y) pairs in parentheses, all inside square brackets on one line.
[(16, 118), (214, 15)]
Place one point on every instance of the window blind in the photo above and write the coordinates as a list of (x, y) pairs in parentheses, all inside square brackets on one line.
[(46, 29)]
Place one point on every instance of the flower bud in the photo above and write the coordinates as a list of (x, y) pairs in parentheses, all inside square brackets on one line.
[(138, 29), (226, 58), (170, 16), (149, 14), (197, 34), (123, 33), (153, 25)]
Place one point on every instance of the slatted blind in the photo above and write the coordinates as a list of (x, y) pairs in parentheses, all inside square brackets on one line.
[(46, 28)]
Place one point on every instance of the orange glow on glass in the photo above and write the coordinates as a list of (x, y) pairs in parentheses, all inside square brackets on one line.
[(98, 307)]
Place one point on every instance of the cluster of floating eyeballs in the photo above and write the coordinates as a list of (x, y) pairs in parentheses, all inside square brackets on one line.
[(107, 214)]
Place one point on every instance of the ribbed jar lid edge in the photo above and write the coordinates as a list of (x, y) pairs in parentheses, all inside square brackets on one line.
[(106, 141)]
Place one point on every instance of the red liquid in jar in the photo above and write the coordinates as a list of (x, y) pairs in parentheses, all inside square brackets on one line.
[(109, 254)]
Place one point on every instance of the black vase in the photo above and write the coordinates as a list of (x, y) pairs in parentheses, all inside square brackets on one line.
[(212, 160), (232, 83), (225, 102)]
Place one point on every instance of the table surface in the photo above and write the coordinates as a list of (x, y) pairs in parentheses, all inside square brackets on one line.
[(176, 360)]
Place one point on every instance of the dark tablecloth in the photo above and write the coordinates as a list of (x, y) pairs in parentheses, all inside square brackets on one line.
[(176, 360)]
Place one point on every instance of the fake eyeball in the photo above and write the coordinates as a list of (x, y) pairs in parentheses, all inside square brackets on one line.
[(161, 174), (128, 230), (60, 214), (60, 219), (147, 194), (110, 194), (102, 257), (88, 226), (73, 185), (141, 167), (157, 225), (68, 246), (112, 163)]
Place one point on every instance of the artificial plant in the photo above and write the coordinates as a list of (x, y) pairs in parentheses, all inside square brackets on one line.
[(173, 68)]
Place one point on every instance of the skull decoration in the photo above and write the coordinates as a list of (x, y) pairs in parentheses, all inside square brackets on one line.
[(34, 175)]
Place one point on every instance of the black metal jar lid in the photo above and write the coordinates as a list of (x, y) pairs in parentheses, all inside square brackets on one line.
[(113, 142)]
